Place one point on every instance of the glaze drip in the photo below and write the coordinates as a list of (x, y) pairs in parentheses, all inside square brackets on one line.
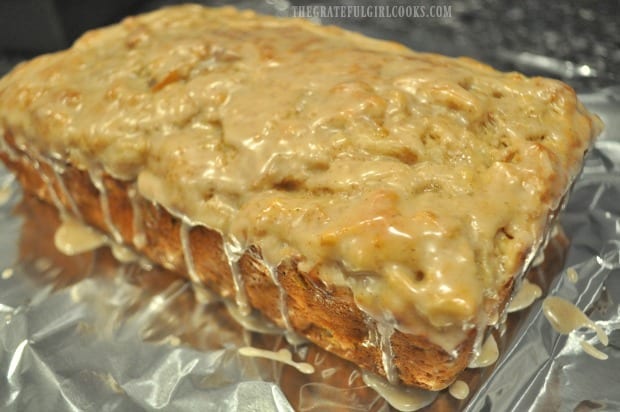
[(385, 331), (233, 251), (184, 230), (138, 237), (97, 180)]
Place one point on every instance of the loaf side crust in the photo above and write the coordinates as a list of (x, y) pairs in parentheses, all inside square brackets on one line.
[(325, 315)]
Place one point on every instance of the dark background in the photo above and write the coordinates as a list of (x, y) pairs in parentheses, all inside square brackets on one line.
[(576, 41)]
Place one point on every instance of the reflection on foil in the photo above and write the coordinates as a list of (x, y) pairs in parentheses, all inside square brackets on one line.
[(545, 65)]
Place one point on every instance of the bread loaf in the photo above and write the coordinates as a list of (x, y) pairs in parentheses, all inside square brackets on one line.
[(379, 202)]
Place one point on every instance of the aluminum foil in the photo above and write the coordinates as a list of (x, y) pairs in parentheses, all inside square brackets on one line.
[(88, 333), (541, 370)]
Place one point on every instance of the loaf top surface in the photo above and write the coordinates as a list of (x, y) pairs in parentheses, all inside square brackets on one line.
[(419, 181)]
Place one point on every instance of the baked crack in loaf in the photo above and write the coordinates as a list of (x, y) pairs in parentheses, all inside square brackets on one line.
[(380, 202)]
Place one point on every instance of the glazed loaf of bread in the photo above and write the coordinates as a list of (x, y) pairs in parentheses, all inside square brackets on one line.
[(379, 202)]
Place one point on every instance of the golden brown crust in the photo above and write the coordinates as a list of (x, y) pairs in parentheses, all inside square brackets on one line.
[(325, 315), (428, 177), (380, 200)]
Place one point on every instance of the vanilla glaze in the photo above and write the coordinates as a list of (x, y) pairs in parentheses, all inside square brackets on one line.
[(425, 179)]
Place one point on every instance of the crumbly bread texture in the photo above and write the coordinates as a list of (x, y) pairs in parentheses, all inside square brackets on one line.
[(378, 201)]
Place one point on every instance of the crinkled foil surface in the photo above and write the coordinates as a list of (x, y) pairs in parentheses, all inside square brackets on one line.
[(87, 333)]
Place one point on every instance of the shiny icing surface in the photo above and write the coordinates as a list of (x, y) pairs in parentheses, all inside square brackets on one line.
[(419, 181)]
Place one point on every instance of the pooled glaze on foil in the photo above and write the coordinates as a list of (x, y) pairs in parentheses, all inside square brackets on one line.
[(526, 294), (487, 355), (283, 355), (566, 318), (459, 390), (402, 398), (73, 237)]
